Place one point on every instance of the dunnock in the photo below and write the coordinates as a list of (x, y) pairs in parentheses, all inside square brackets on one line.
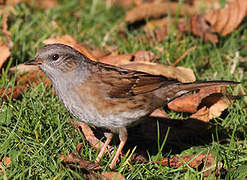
[(107, 96)]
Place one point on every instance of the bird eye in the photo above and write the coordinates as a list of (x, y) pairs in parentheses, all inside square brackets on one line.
[(55, 57)]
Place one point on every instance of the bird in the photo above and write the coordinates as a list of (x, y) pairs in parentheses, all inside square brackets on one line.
[(107, 96)]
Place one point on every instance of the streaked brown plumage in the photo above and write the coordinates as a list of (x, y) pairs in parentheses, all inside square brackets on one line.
[(107, 96)]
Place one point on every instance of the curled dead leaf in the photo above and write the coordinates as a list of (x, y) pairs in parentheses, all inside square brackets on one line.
[(219, 104), (189, 103), (199, 27), (89, 135), (156, 10), (226, 20), (146, 56), (71, 160), (194, 161), (159, 113), (45, 4), (182, 74), (5, 53), (70, 41)]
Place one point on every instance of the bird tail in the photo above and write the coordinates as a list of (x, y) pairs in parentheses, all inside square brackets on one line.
[(180, 89)]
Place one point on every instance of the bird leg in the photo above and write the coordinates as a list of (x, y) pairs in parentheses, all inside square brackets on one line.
[(109, 137), (123, 138)]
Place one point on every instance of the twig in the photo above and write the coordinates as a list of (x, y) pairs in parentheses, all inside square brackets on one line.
[(184, 55)]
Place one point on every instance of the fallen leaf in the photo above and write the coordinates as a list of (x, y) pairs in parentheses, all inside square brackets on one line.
[(89, 135), (33, 76), (194, 161), (156, 23), (10, 2), (5, 30), (79, 148), (159, 29), (146, 56), (200, 28), (13, 93), (206, 161), (44, 4), (5, 53), (71, 160), (189, 103), (22, 68), (182, 74), (203, 6), (138, 157), (156, 10), (6, 161), (112, 175), (205, 114), (225, 21), (70, 41), (159, 113), (22, 82)]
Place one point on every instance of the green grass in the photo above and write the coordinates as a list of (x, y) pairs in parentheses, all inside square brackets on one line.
[(34, 130)]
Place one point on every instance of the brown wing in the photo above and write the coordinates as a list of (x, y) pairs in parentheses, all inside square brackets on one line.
[(120, 83)]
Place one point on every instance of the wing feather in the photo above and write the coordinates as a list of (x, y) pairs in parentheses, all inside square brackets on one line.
[(122, 83)]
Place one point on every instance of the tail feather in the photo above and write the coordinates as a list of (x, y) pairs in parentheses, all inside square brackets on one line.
[(182, 88)]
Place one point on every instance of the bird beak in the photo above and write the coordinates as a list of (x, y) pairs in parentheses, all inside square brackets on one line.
[(34, 62)]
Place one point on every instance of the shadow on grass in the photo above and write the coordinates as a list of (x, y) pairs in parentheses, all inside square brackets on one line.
[(183, 134)]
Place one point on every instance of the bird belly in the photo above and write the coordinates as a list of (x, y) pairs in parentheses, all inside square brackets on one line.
[(102, 111)]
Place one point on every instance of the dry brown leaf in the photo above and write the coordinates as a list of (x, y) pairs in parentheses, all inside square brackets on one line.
[(89, 135), (13, 93), (5, 53), (156, 10), (6, 161), (71, 160), (189, 103), (182, 74), (45, 4), (159, 29), (157, 23), (206, 5), (112, 175), (22, 68), (146, 56), (5, 30), (193, 161), (33, 76), (70, 41), (179, 161), (159, 113), (9, 2), (22, 82), (199, 27), (205, 114), (226, 20)]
